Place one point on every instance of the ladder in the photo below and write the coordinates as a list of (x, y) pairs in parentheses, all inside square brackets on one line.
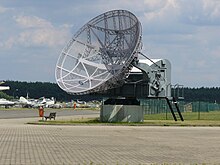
[(174, 109)]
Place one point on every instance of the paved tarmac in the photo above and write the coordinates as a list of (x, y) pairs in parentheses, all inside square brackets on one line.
[(9, 114), (39, 144)]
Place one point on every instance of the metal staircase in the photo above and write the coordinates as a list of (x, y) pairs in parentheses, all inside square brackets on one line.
[(174, 108)]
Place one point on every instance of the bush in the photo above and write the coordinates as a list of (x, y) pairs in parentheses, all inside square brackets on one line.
[(5, 96)]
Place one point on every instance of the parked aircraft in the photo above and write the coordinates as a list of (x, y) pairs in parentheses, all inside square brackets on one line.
[(80, 102), (25, 103), (6, 103), (47, 102), (36, 103), (84, 104)]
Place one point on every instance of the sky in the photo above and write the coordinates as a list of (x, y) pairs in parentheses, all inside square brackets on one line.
[(186, 32)]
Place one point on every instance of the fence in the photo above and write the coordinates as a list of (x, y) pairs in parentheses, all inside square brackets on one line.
[(195, 109), (155, 106), (204, 106)]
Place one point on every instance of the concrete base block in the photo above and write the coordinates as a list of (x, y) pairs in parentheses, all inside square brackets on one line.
[(121, 113)]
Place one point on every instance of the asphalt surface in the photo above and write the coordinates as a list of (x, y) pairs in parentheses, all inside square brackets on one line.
[(29, 113), (118, 145)]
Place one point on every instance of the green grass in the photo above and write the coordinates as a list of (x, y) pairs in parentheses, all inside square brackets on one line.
[(212, 115), (95, 121), (76, 121), (193, 123), (191, 119), (81, 121), (211, 118)]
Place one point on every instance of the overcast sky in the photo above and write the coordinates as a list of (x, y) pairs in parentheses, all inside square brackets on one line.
[(186, 32)]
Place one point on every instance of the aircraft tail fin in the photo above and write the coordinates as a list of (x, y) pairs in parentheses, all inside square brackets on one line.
[(23, 100)]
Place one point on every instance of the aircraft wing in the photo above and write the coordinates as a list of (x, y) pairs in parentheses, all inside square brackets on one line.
[(6, 103), (4, 88)]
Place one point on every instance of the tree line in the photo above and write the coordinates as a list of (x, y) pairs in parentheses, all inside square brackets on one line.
[(39, 89), (47, 89), (211, 94)]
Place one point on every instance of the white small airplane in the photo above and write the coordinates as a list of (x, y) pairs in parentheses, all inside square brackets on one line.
[(30, 103), (44, 102), (51, 103), (80, 102), (6, 103), (48, 103), (24, 102)]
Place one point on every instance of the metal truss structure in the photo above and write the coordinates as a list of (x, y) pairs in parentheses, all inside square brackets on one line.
[(99, 55)]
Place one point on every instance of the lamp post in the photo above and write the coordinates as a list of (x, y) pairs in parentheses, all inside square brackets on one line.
[(27, 96)]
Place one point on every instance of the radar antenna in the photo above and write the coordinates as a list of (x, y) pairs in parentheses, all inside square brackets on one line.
[(99, 55)]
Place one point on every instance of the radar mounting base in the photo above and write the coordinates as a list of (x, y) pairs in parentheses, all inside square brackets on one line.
[(151, 82)]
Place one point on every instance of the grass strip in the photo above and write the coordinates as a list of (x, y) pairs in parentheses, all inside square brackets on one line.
[(96, 121)]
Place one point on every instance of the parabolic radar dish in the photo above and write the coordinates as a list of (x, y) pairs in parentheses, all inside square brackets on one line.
[(99, 55)]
